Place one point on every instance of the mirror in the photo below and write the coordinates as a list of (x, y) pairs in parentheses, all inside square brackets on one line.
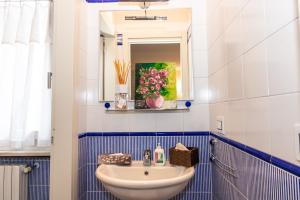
[(158, 36)]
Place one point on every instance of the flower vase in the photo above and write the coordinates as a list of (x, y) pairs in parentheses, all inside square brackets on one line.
[(121, 97), (155, 101)]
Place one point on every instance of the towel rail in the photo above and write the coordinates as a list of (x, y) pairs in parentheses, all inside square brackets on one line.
[(226, 168)]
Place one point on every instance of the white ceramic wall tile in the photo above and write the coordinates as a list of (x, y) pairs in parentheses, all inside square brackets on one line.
[(234, 39), (92, 92), (257, 124), (254, 22), (82, 38), (92, 15), (82, 91), (94, 118), (218, 89), (285, 112), (215, 26), (169, 121), (235, 79), (199, 41), (82, 64), (82, 126), (284, 60), (231, 9), (235, 121), (200, 64), (199, 12), (212, 89), (255, 72), (140, 122), (212, 5), (222, 84), (201, 90), (217, 55), (92, 52), (279, 13), (115, 122), (197, 119), (215, 110)]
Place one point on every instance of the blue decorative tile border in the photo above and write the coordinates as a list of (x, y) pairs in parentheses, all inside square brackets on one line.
[(200, 133), (292, 168)]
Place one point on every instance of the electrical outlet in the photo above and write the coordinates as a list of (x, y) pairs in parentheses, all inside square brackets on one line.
[(220, 124), (297, 141)]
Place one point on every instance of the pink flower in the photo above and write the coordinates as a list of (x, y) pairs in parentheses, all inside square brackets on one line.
[(142, 82), (157, 93), (164, 85), (153, 71), (145, 90), (152, 81), (152, 88), (146, 83), (157, 86), (163, 73), (157, 77)]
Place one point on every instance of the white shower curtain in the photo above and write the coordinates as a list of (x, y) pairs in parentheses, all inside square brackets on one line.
[(25, 59)]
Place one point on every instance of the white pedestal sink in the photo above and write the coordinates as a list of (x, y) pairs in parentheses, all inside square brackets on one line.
[(137, 182)]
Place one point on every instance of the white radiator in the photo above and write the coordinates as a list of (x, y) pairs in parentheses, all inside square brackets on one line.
[(13, 182)]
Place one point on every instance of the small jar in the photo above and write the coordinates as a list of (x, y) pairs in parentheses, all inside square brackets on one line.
[(121, 97)]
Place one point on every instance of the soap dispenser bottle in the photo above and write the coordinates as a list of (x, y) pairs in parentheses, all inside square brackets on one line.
[(159, 156)]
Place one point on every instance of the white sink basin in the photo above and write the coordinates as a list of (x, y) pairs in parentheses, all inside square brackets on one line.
[(137, 182)]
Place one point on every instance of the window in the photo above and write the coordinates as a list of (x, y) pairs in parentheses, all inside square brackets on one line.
[(25, 60)]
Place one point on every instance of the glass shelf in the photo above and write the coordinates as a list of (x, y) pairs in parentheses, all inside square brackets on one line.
[(182, 106), (149, 110)]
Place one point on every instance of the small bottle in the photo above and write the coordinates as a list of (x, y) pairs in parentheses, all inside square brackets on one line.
[(147, 157), (159, 156)]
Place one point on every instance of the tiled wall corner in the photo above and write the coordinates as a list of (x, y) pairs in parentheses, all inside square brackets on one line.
[(253, 65)]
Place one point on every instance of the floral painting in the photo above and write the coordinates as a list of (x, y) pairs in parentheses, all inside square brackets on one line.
[(155, 85)]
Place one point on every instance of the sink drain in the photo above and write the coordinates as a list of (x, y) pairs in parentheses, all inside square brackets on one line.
[(146, 173)]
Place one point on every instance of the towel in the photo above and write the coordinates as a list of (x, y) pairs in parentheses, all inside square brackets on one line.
[(115, 159)]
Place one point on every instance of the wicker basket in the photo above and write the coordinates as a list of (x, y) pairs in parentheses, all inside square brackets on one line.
[(184, 158)]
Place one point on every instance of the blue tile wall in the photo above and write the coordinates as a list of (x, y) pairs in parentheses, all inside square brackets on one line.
[(253, 175), (38, 179), (254, 178), (92, 144)]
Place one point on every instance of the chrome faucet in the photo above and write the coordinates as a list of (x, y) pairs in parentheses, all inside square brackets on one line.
[(147, 157)]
